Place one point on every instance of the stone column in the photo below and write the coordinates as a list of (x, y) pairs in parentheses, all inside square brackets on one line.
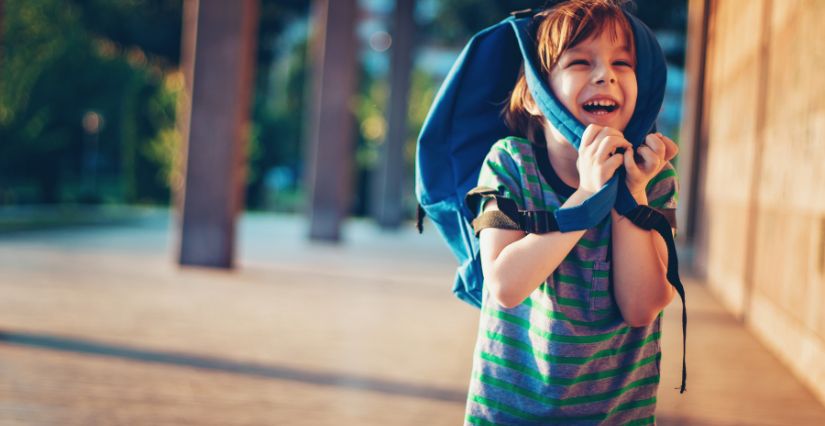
[(388, 181), (330, 128), (225, 45)]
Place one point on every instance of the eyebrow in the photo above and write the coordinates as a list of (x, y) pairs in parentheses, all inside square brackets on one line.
[(577, 49)]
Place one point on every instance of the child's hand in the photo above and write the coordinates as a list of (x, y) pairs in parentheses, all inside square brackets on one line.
[(598, 159), (650, 158)]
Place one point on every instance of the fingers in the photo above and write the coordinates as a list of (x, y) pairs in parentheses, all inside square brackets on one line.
[(589, 135), (608, 146), (647, 159), (671, 149), (606, 132), (651, 161), (654, 151), (597, 160), (630, 163), (601, 142), (615, 161), (655, 143)]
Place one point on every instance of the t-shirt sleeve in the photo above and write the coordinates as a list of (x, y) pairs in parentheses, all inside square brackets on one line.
[(663, 192), (501, 173)]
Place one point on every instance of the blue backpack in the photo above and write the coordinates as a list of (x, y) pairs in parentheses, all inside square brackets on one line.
[(465, 120)]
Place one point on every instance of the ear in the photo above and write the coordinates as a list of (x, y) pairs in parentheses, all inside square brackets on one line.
[(530, 106)]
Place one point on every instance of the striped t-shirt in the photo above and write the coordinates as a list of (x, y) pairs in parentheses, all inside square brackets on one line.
[(565, 355)]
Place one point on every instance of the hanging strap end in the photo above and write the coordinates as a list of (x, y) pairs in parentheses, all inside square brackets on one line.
[(419, 221)]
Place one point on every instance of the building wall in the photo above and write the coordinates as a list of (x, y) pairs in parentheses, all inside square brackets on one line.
[(763, 193)]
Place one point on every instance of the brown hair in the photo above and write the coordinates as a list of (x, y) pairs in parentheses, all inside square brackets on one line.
[(562, 27)]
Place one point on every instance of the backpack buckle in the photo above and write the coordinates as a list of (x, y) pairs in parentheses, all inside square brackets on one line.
[(538, 222), (646, 217), (523, 13)]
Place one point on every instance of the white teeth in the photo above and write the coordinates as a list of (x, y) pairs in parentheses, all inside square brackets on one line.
[(601, 102)]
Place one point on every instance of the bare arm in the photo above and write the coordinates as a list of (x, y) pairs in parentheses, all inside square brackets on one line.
[(639, 256), (639, 270), (515, 264)]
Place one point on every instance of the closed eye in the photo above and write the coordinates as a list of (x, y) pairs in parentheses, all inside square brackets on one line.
[(623, 64), (578, 62)]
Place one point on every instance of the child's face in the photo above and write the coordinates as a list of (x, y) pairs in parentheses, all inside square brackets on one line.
[(596, 81)]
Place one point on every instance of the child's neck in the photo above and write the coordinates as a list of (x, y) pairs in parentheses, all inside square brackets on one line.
[(563, 158)]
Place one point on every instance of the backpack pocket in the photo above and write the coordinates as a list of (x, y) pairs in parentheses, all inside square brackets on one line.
[(601, 293)]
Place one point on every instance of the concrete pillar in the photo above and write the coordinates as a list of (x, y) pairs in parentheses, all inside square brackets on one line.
[(388, 181), (331, 119), (693, 139), (219, 128)]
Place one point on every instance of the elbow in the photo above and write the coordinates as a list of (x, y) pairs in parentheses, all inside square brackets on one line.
[(508, 303), (503, 294), (642, 315), (640, 319)]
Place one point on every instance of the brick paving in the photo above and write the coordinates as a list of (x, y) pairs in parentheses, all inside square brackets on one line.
[(98, 326)]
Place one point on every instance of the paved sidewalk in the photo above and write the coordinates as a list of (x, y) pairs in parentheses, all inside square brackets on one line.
[(99, 327)]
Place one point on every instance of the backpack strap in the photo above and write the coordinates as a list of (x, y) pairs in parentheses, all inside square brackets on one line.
[(419, 219), (508, 215), (651, 76), (648, 218)]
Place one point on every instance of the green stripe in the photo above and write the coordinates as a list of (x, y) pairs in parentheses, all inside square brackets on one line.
[(601, 274), (532, 372), (564, 301), (566, 401), (515, 140), (537, 201), (633, 404), (594, 244), (525, 324), (660, 202), (645, 421), (570, 279), (512, 150), (478, 421), (510, 410), (583, 263), (528, 159), (595, 293), (560, 316), (523, 172), (499, 169), (504, 408), (664, 174), (502, 151), (565, 381), (514, 343)]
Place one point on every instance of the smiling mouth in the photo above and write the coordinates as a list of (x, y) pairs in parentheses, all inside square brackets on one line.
[(600, 107)]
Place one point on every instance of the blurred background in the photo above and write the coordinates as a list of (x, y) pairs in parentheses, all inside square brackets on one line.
[(91, 93), (207, 206)]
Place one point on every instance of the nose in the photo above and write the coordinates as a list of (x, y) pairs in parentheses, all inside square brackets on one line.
[(603, 74)]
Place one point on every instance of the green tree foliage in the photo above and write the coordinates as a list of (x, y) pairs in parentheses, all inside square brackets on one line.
[(279, 105), (63, 59), (54, 72), (458, 20)]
